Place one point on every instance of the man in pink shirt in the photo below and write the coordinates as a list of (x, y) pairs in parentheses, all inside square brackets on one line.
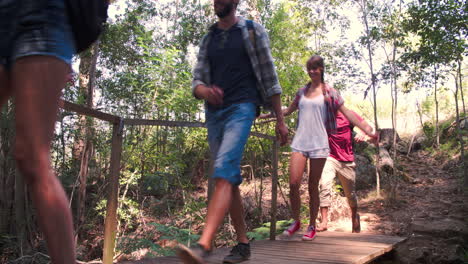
[(340, 162)]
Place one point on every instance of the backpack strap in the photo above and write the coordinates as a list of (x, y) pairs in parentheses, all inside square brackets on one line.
[(250, 28)]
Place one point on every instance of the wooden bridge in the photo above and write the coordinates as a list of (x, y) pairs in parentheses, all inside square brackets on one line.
[(328, 247)]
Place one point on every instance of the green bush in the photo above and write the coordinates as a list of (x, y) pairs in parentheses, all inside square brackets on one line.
[(173, 233), (130, 244), (428, 129), (263, 232)]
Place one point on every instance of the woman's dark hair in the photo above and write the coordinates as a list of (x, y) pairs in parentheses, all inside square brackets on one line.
[(316, 62)]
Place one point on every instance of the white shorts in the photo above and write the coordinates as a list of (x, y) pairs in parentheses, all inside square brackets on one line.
[(314, 154)]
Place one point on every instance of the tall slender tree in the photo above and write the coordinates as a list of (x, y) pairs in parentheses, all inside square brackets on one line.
[(441, 28), (368, 41)]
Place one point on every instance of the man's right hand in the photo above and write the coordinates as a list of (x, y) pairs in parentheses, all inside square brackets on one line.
[(264, 116), (213, 95), (282, 132)]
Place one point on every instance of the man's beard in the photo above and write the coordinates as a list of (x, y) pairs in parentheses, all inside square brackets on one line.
[(225, 11)]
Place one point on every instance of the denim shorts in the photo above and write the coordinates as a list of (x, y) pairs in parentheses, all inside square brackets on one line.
[(314, 154), (228, 131), (34, 27)]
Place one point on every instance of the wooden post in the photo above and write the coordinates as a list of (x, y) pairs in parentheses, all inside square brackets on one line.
[(274, 190), (110, 224)]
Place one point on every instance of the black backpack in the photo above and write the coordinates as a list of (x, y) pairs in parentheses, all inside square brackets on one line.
[(87, 18)]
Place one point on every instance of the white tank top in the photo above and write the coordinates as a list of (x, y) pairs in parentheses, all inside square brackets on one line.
[(311, 134)]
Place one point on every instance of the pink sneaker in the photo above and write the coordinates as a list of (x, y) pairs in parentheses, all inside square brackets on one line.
[(292, 228), (310, 234)]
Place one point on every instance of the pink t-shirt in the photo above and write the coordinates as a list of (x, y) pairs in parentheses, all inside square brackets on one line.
[(341, 143)]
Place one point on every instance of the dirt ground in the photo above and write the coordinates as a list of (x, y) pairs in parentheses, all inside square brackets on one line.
[(430, 209)]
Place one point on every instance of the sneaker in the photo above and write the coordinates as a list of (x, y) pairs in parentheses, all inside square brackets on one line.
[(292, 228), (239, 253), (193, 255), (310, 234)]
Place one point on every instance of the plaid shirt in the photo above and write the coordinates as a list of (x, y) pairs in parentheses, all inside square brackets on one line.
[(333, 101), (260, 57)]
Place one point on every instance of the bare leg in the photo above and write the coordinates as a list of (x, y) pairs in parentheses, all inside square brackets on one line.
[(237, 215), (347, 176), (219, 205), (316, 167), (324, 223), (37, 82), (296, 169), (325, 191)]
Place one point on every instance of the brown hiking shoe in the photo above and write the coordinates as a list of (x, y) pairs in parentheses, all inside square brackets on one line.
[(193, 255)]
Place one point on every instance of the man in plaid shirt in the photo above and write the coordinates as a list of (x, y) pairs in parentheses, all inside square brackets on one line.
[(235, 75)]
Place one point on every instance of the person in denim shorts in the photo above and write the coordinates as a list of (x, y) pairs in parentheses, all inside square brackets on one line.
[(36, 48), (234, 75)]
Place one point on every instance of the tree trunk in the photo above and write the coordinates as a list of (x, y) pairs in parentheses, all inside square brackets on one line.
[(437, 107), (460, 137), (374, 92), (87, 86), (461, 87), (394, 93), (394, 109), (410, 146), (418, 106), (394, 180)]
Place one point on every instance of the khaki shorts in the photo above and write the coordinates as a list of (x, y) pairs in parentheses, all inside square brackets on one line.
[(347, 176)]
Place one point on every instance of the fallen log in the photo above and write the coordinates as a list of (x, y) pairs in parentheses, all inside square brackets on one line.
[(385, 160)]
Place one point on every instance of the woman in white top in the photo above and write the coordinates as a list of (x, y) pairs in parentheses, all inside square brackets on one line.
[(318, 104)]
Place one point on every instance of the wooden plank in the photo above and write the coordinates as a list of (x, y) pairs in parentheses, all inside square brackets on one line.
[(110, 224), (306, 247), (343, 237), (82, 110), (368, 258), (261, 135), (167, 123), (346, 243), (328, 247), (161, 260), (267, 257)]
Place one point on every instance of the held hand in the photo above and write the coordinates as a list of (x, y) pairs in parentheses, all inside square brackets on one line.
[(360, 138), (264, 116), (375, 138), (282, 133)]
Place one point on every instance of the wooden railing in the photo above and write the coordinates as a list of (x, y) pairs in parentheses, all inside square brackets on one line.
[(118, 124)]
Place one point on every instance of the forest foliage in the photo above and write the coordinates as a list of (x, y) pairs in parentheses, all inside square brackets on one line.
[(143, 70)]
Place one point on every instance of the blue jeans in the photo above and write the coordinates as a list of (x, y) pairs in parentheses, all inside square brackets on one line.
[(228, 131), (33, 27)]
